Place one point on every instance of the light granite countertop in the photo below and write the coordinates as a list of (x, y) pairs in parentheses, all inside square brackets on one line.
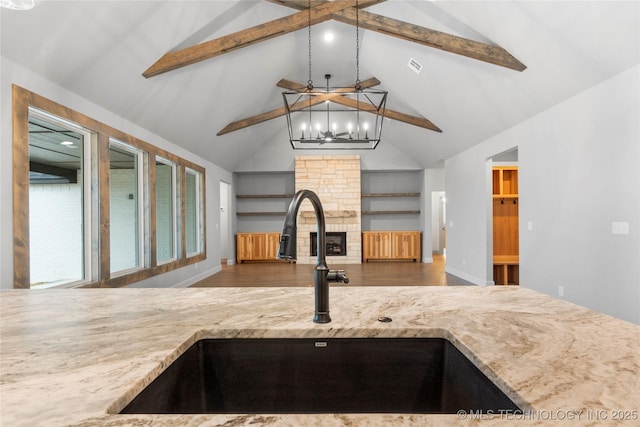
[(76, 357)]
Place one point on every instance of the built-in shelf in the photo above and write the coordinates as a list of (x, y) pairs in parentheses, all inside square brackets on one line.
[(390, 194), (505, 225), (391, 199), (411, 212), (261, 200)]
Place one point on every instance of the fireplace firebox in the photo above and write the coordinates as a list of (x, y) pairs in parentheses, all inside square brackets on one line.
[(336, 243)]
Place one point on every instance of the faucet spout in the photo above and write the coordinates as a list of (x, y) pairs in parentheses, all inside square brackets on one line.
[(288, 250)]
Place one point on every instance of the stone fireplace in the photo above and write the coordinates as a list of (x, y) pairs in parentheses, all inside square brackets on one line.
[(336, 181)]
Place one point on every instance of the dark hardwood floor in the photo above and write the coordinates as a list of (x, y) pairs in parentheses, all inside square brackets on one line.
[(396, 273)]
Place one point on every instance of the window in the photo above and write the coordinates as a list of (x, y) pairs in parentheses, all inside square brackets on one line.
[(166, 212), (126, 208), (60, 201), (95, 207), (193, 212)]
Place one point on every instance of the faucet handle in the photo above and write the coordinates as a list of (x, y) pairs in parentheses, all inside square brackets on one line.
[(337, 276)]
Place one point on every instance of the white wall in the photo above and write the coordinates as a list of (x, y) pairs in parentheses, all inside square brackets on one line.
[(11, 73), (277, 155), (579, 168)]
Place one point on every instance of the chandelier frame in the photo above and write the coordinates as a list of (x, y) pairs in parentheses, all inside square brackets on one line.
[(309, 113)]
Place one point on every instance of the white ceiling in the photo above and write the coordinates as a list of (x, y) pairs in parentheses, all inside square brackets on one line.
[(99, 49)]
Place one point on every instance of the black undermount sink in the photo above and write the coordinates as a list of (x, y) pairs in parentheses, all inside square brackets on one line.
[(340, 375)]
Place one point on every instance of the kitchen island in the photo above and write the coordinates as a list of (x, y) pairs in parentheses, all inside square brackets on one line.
[(77, 357)]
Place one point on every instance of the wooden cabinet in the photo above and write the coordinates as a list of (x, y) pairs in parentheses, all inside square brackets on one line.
[(405, 245), (391, 245), (376, 245), (257, 246), (505, 181), (505, 225)]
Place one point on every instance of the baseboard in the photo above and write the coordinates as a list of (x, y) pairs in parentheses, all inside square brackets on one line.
[(427, 260), (198, 277), (468, 277)]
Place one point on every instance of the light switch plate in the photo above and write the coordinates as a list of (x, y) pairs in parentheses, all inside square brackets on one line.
[(620, 228)]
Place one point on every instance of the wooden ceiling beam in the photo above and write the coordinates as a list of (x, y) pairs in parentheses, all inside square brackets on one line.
[(200, 52), (334, 97), (432, 38), (263, 117), (278, 112), (417, 34), (290, 85), (303, 4), (352, 103), (392, 114)]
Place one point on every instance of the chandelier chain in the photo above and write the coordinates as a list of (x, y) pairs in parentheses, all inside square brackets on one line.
[(310, 81), (341, 132), (358, 86)]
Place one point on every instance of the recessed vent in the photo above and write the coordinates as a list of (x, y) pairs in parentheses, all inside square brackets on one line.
[(414, 65)]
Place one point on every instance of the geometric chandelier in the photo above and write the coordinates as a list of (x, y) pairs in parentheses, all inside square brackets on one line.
[(335, 118)]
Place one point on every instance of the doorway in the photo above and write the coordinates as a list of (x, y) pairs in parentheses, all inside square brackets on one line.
[(504, 234), (438, 222), (225, 221)]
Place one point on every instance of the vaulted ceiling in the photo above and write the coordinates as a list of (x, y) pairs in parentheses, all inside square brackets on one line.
[(100, 50)]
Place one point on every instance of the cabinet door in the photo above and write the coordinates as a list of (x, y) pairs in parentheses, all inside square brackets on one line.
[(258, 246), (398, 246), (243, 247), (406, 245), (412, 246), (272, 245), (369, 246), (376, 245), (385, 245)]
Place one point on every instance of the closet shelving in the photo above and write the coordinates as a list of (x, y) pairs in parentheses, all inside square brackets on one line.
[(506, 257)]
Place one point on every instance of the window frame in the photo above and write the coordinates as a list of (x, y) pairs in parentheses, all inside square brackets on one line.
[(199, 208), (174, 211), (22, 99), (141, 201), (88, 201)]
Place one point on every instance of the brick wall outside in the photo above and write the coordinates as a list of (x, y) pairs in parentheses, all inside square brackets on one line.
[(55, 233)]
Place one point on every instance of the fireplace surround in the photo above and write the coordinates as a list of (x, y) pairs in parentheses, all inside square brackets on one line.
[(336, 181), (336, 243)]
